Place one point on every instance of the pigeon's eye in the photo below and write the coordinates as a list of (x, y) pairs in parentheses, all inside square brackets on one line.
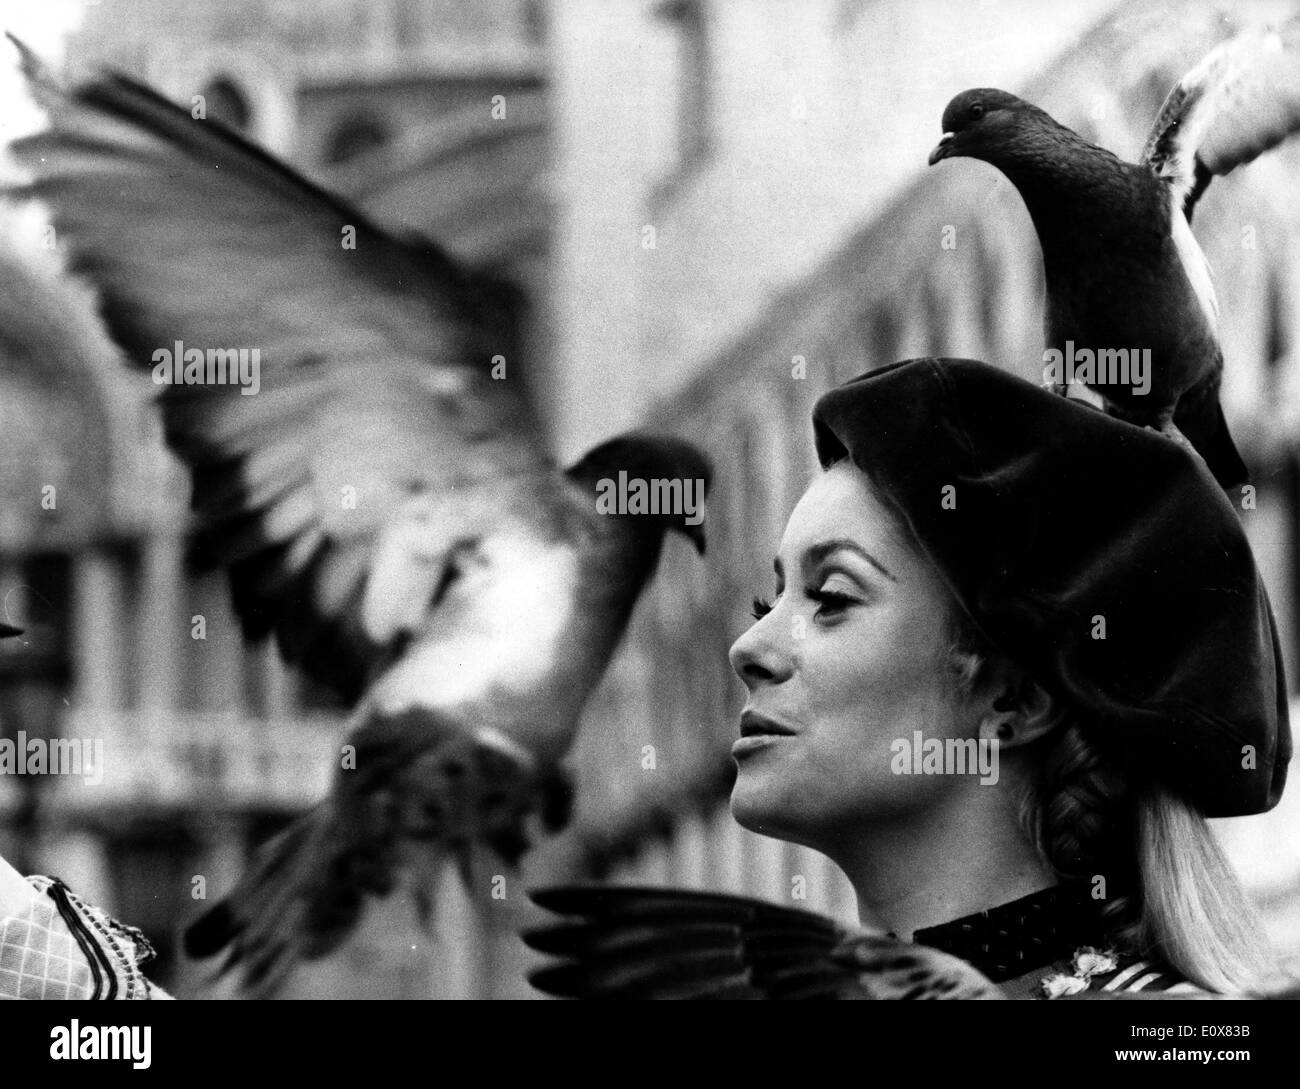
[(976, 111)]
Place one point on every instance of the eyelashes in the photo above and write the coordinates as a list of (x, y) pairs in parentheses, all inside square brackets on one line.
[(828, 601)]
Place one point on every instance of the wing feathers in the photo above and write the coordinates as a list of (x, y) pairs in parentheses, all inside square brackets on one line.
[(1238, 102), (660, 943), (370, 356)]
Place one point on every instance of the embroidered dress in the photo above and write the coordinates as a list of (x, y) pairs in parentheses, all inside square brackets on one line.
[(1051, 944), (59, 946)]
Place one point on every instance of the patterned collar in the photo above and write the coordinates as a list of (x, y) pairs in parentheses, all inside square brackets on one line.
[(1010, 940)]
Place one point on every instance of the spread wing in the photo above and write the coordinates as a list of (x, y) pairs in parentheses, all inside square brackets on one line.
[(373, 384), (671, 943), (1238, 102)]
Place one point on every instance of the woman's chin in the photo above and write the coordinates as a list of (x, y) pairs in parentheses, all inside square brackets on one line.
[(762, 807)]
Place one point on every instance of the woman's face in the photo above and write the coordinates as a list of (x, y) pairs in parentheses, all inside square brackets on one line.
[(852, 656)]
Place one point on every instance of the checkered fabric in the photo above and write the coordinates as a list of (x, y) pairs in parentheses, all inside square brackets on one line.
[(62, 947)]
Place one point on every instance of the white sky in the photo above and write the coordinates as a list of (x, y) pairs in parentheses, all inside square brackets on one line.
[(42, 25)]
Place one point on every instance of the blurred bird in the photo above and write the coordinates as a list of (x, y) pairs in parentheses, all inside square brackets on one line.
[(674, 944), (1122, 267), (383, 504)]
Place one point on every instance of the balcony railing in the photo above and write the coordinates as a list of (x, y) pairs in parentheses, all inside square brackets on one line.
[(199, 760)]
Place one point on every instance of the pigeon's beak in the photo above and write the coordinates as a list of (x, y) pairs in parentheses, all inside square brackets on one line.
[(7, 630), (942, 149)]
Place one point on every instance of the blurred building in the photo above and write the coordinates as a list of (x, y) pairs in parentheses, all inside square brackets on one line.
[(721, 210)]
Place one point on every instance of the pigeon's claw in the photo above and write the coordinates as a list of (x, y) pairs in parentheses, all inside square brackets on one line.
[(481, 787)]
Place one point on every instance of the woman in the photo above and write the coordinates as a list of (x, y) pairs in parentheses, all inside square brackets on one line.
[(1019, 650), (55, 945)]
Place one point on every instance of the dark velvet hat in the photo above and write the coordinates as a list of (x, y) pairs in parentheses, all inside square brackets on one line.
[(1100, 556)]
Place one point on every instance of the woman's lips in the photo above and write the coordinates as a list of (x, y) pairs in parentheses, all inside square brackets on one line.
[(757, 732), (743, 746), (754, 724)]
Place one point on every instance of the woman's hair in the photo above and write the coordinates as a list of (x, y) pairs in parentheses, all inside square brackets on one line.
[(1169, 890)]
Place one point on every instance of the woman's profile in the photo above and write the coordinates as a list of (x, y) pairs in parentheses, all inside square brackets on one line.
[(1018, 651)]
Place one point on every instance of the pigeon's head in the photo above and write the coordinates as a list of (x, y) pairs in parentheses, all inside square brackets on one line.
[(656, 482), (979, 123)]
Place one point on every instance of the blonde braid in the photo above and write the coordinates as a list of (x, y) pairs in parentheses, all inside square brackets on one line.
[(1079, 813)]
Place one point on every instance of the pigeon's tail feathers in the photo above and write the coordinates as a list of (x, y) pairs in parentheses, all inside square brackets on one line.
[(1202, 421), (300, 899)]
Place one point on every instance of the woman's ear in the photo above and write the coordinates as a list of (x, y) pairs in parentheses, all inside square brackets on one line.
[(1018, 710)]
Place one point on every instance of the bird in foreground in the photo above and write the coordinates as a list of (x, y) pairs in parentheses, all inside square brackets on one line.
[(1123, 269), (383, 503), (619, 942), (652, 943)]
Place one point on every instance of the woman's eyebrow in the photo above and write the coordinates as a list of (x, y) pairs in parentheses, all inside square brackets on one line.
[(822, 551)]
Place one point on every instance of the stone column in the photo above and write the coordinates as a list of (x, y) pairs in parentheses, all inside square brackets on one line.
[(162, 627)]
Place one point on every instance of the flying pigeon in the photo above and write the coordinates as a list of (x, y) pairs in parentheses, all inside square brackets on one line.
[(621, 942), (1123, 269), (378, 493)]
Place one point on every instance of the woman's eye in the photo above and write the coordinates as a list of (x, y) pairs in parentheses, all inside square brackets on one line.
[(830, 601)]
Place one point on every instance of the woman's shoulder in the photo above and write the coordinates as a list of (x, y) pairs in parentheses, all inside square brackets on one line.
[(1098, 971)]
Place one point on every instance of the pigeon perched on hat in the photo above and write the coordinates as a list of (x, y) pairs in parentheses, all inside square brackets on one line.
[(1060, 516), (1122, 267)]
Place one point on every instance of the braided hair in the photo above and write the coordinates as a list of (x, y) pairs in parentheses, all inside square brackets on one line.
[(1166, 888)]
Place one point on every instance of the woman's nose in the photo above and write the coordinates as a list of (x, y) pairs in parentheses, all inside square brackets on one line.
[(758, 657)]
